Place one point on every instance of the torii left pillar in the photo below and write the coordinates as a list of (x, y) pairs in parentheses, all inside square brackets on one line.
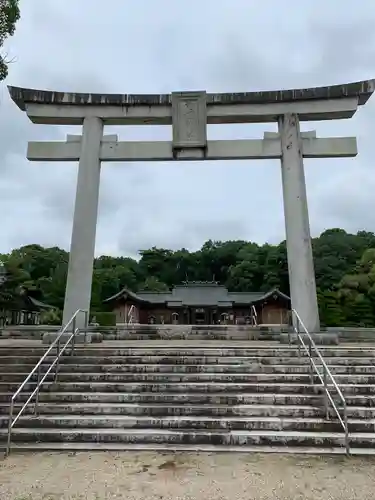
[(82, 248), (297, 226)]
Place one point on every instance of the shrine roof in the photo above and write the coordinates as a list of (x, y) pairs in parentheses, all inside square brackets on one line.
[(363, 90), (197, 294)]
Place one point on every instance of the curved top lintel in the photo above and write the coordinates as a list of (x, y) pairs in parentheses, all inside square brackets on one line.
[(363, 90)]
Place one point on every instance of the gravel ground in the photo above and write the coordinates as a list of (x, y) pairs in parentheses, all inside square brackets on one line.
[(149, 476)]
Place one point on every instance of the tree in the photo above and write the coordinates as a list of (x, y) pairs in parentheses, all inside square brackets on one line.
[(246, 273), (152, 284), (357, 292), (9, 15), (336, 253), (344, 264), (330, 310)]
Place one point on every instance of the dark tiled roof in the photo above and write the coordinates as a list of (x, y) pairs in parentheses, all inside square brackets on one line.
[(198, 294), (244, 297), (155, 297), (25, 302), (41, 305)]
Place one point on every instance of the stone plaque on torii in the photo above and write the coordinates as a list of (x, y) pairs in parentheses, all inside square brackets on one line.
[(189, 113)]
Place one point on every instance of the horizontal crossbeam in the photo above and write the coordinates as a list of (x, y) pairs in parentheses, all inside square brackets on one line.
[(309, 110), (252, 149)]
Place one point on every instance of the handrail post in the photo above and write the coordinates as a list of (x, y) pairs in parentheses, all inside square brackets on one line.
[(299, 344), (326, 406), (298, 339), (347, 445), (311, 363), (86, 325), (37, 392), (74, 335), (58, 359), (10, 424)]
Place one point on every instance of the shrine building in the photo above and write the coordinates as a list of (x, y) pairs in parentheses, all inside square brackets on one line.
[(201, 303)]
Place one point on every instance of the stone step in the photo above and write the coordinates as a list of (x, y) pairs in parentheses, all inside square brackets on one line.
[(232, 398), (6, 361), (167, 394), (168, 409), (186, 436), (224, 350), (36, 447), (188, 422), (187, 377), (17, 370), (206, 336), (204, 387), (142, 348), (320, 339), (162, 409), (174, 387)]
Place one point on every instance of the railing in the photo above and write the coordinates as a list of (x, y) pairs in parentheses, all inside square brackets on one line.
[(326, 378), (38, 370), (254, 316), (130, 315)]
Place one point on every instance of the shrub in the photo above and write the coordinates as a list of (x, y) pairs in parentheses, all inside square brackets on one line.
[(103, 318), (51, 317)]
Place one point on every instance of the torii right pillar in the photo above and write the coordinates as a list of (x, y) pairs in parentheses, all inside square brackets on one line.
[(297, 226)]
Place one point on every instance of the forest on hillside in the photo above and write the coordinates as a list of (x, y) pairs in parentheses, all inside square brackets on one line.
[(344, 267)]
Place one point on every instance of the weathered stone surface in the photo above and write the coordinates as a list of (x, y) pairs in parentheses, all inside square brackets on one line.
[(80, 338), (362, 90), (224, 397), (218, 438), (328, 336), (318, 338), (189, 120)]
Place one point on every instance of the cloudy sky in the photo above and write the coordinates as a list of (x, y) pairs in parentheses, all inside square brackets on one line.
[(158, 46)]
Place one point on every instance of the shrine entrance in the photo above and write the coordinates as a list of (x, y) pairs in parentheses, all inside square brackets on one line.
[(189, 113), (201, 317)]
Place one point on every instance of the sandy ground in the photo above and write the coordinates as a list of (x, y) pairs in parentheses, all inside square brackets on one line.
[(149, 476)]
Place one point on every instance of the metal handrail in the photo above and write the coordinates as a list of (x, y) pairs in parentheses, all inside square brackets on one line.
[(323, 377), (254, 315), (130, 315), (72, 322)]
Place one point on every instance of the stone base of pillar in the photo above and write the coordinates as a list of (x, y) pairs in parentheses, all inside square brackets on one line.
[(81, 338)]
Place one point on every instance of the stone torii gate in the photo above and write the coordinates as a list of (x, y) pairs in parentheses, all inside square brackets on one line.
[(189, 113)]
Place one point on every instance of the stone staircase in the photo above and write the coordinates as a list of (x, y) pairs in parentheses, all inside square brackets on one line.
[(170, 395)]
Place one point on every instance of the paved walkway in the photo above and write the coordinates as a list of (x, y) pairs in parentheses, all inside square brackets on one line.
[(163, 476)]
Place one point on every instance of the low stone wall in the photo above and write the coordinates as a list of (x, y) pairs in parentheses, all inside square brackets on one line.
[(351, 334), (328, 338), (27, 332), (188, 332), (333, 335)]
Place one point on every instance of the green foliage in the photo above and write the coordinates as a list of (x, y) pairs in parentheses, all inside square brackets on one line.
[(51, 317), (9, 15), (330, 310), (103, 318), (152, 284), (344, 264), (356, 292)]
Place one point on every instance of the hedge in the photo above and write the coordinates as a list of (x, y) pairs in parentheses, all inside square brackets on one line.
[(103, 318)]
